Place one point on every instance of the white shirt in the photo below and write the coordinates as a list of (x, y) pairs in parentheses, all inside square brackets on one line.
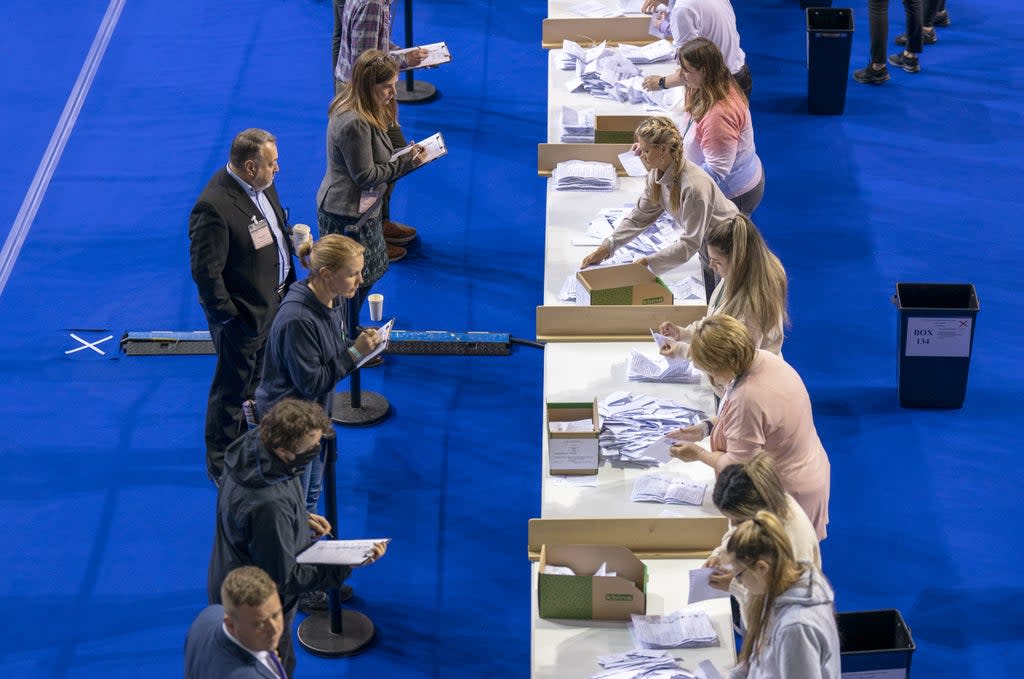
[(711, 19), (262, 656)]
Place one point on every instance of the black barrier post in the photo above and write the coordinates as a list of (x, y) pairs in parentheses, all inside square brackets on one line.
[(358, 408), (414, 91)]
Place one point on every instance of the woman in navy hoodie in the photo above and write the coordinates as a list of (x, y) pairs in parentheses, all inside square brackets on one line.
[(790, 613), (307, 351)]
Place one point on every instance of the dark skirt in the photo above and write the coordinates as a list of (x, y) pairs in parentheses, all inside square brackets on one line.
[(370, 235)]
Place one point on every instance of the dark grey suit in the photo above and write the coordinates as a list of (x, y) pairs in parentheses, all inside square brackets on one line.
[(209, 654)]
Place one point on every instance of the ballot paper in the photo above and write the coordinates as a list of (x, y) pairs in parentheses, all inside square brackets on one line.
[(584, 175), (631, 6), (589, 481), (705, 670), (578, 125), (682, 629), (631, 423), (437, 54), (603, 572), (659, 26), (690, 287), (700, 586), (594, 10), (434, 146), (558, 570), (340, 552), (573, 53), (384, 332), (632, 164), (640, 664), (668, 489), (657, 51), (575, 425), (644, 368)]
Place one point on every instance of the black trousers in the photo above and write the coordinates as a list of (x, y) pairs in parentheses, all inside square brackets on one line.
[(239, 366), (397, 141), (878, 25), (743, 79)]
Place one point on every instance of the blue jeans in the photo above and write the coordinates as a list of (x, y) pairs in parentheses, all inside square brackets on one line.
[(312, 481)]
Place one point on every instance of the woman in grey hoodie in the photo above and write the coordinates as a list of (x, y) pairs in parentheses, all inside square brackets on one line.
[(790, 616)]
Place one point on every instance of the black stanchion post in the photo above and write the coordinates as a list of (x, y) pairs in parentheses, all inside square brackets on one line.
[(337, 632), (414, 91), (358, 408)]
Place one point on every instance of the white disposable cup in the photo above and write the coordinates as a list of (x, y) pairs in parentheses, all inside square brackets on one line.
[(376, 306), (300, 234)]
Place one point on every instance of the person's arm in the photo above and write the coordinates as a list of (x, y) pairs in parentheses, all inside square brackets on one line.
[(684, 23), (648, 209), (355, 142), (311, 371), (208, 252), (800, 650), (718, 134), (694, 214)]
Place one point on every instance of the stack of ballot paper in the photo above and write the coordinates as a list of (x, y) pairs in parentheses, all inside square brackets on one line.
[(633, 427), (682, 629), (668, 489), (584, 175), (578, 125), (573, 53), (640, 664), (659, 50), (601, 572), (658, 368)]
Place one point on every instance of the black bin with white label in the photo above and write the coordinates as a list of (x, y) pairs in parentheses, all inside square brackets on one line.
[(936, 336), (829, 39)]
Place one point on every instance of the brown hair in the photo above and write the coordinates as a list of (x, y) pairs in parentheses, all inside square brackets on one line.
[(246, 586), (722, 344), (661, 130), (703, 55), (289, 420), (756, 287), (248, 145), (372, 68), (745, 489), (763, 538)]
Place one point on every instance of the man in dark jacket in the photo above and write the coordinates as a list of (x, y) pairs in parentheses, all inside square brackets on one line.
[(261, 513)]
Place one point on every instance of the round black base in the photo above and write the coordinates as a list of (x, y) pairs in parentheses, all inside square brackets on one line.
[(356, 636), (421, 92), (373, 409)]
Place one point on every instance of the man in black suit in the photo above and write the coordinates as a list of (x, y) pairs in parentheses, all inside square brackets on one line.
[(241, 262), (240, 638)]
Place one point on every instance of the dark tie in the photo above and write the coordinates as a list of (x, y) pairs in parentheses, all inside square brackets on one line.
[(277, 665)]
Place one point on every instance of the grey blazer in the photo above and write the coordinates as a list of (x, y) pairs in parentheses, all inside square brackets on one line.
[(358, 159)]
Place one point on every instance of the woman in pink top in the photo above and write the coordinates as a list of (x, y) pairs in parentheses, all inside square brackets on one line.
[(765, 406), (717, 131)]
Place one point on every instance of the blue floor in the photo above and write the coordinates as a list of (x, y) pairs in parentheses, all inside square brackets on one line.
[(108, 515)]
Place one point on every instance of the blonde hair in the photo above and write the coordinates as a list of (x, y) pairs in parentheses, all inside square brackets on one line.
[(331, 252), (372, 68), (745, 489), (246, 586), (756, 287), (661, 130), (762, 538), (722, 344), (703, 55)]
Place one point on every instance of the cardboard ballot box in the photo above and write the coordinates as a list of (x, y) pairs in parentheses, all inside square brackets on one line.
[(588, 597), (624, 284), (573, 452)]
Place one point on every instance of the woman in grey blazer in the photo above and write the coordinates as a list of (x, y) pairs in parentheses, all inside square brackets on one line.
[(359, 164)]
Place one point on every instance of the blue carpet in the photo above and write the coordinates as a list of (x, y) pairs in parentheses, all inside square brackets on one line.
[(108, 516)]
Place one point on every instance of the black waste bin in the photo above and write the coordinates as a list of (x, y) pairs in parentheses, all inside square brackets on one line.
[(936, 334), (875, 642), (829, 39)]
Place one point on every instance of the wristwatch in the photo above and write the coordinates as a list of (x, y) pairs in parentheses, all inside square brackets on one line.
[(661, 83)]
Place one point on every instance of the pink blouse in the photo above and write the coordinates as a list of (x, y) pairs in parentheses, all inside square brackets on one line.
[(768, 408)]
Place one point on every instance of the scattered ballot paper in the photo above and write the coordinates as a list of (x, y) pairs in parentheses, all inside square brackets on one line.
[(632, 164), (668, 489), (641, 664), (631, 423), (682, 629), (705, 670), (643, 368), (340, 552), (558, 570), (700, 586)]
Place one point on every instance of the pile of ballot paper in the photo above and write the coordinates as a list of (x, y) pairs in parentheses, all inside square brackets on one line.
[(640, 663), (578, 125), (613, 74), (682, 629), (633, 427), (659, 50), (669, 489), (584, 175), (658, 368), (601, 572)]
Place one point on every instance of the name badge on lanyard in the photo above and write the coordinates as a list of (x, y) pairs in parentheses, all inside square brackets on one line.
[(259, 231), (368, 199)]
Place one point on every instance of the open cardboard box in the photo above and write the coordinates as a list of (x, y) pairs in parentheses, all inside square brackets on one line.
[(588, 597), (623, 284), (574, 453)]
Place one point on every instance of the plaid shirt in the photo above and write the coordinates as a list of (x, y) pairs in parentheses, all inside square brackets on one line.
[(366, 25)]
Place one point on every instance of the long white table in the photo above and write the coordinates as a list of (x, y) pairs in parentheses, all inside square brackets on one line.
[(568, 649), (581, 371)]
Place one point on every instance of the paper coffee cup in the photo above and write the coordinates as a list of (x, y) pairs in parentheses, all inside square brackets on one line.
[(300, 234), (376, 306)]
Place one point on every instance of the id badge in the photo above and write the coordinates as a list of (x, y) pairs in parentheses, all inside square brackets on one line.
[(367, 199), (260, 234)]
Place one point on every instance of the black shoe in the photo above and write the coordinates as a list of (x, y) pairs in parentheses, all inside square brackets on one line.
[(871, 76), (926, 37), (312, 602), (942, 19), (909, 64)]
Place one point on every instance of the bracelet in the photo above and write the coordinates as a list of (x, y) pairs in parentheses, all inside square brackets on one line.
[(661, 83), (355, 353)]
